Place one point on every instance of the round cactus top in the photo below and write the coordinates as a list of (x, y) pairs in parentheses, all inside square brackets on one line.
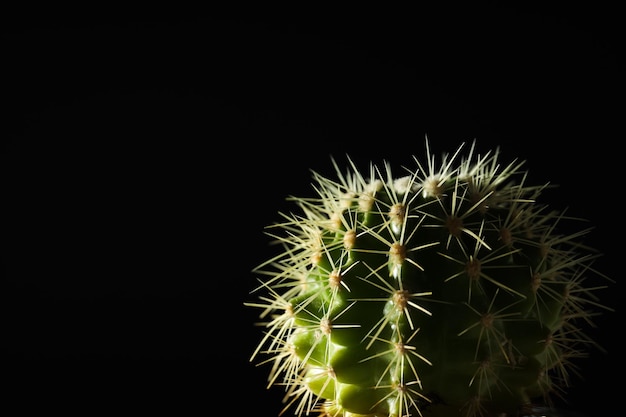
[(444, 289)]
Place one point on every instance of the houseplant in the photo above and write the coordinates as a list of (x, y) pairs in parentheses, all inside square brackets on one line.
[(444, 289)]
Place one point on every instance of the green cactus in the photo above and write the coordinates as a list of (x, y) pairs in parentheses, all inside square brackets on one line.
[(443, 290)]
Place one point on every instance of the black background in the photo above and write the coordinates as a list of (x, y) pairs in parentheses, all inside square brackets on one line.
[(142, 157)]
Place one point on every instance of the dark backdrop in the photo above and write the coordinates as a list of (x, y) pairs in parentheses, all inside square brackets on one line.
[(141, 158)]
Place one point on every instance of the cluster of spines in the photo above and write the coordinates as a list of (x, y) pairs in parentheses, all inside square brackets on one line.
[(306, 294)]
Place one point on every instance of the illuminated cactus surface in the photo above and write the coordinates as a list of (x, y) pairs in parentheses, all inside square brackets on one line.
[(443, 289)]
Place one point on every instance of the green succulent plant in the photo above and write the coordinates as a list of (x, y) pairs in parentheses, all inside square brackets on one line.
[(445, 289)]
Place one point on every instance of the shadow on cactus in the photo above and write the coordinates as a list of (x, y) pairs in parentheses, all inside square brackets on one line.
[(440, 290)]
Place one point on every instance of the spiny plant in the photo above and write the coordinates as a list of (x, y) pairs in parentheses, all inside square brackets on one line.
[(444, 290)]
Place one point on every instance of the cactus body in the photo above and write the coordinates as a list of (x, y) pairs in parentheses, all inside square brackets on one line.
[(440, 290)]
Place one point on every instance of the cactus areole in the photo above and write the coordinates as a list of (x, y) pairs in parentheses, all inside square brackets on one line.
[(440, 290)]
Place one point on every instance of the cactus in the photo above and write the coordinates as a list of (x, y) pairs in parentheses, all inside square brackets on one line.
[(442, 290)]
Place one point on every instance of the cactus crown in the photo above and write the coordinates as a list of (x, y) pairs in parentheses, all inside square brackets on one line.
[(444, 290)]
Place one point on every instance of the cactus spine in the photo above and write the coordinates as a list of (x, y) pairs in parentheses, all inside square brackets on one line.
[(444, 290)]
